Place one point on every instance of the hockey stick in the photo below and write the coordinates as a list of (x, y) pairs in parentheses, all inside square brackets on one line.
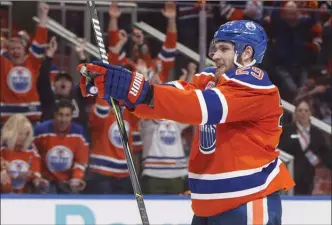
[(121, 125)]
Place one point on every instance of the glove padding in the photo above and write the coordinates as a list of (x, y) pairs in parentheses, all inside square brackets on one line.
[(116, 82)]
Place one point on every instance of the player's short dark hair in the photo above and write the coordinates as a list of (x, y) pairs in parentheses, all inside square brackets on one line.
[(64, 103)]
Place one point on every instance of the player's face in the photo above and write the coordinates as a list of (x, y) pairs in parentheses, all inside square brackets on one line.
[(63, 87), (302, 113), (63, 118), (223, 56), (16, 53)]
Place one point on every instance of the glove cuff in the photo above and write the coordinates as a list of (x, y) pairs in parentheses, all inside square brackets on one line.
[(149, 100)]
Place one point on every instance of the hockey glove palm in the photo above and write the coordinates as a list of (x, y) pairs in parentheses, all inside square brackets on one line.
[(116, 82)]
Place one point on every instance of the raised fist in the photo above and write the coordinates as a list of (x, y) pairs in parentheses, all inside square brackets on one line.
[(114, 11)]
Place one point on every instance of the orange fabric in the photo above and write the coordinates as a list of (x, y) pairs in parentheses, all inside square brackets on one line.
[(24, 165), (257, 208), (71, 145), (252, 120), (106, 141), (29, 71)]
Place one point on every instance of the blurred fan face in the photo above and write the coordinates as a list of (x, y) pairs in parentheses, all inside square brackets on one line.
[(63, 118), (63, 87), (222, 54), (302, 113), (21, 137), (16, 53), (291, 13)]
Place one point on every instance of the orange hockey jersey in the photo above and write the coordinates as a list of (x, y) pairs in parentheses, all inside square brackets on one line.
[(18, 92), (233, 158), (23, 166), (63, 156), (164, 61), (107, 156)]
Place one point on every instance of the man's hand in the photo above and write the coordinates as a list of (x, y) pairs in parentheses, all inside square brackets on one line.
[(116, 82), (41, 184), (76, 185), (52, 47), (43, 13), (169, 10), (4, 164), (114, 11), (5, 178), (80, 49)]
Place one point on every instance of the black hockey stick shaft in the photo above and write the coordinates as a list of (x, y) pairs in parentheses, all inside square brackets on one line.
[(119, 119)]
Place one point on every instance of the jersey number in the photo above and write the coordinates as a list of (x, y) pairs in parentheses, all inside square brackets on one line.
[(253, 71)]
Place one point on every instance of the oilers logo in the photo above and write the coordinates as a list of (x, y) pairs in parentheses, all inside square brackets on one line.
[(207, 133), (114, 134), (18, 170), (59, 158), (19, 79), (250, 26), (207, 138), (167, 132)]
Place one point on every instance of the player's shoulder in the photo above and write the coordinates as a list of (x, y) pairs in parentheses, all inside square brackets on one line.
[(210, 70), (251, 76)]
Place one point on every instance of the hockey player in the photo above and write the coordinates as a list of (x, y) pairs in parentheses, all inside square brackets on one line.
[(235, 174)]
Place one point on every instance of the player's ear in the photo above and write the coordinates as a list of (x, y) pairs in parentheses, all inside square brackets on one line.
[(248, 54)]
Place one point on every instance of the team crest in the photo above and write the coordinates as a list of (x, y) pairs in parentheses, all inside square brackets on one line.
[(250, 26), (207, 138), (167, 132), (207, 133), (114, 134), (18, 170), (19, 79), (59, 158)]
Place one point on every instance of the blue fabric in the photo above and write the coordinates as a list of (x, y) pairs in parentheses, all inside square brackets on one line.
[(213, 105)]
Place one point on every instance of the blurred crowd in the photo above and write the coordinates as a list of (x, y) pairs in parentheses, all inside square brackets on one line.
[(55, 141)]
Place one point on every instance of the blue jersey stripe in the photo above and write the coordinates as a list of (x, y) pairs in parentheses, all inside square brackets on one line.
[(102, 111), (168, 54), (213, 105), (231, 184), (19, 109), (106, 163), (37, 49)]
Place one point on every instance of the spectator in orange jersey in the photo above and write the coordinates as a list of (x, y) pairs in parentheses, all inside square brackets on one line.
[(19, 73), (63, 149), (141, 59), (108, 167), (20, 161)]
